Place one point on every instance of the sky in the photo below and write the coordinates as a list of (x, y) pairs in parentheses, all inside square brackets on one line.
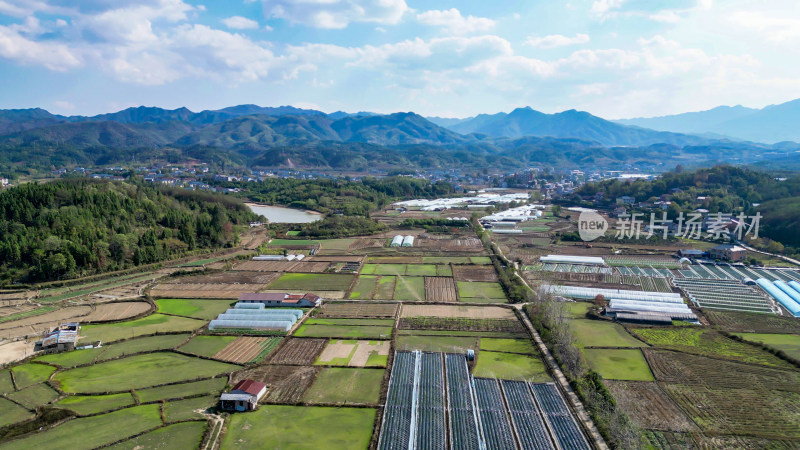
[(613, 58)]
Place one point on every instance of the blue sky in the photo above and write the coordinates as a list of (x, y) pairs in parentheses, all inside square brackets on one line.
[(613, 58)]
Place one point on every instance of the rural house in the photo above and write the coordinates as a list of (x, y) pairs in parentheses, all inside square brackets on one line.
[(243, 397)]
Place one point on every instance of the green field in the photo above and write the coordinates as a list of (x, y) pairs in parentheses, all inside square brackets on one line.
[(142, 344), (91, 432), (336, 244), (444, 344), (345, 385), (386, 287), (312, 427), (199, 309), (524, 346), (577, 310), (182, 390), (428, 270), (152, 324), (290, 242), (410, 289), (619, 364), (706, 342), (510, 366), (206, 345), (72, 358), (34, 396), (313, 282), (373, 360), (180, 410), (139, 371), (446, 260), (788, 343), (335, 331), (482, 334), (480, 292), (29, 374), (364, 287), (10, 413), (86, 405), (599, 333), (180, 436), (480, 260), (6, 385)]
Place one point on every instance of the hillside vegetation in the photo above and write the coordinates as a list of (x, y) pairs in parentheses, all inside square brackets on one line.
[(76, 227)]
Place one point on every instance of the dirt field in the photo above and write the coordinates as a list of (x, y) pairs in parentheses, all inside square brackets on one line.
[(283, 266), (298, 351), (649, 407), (14, 351), (474, 273), (9, 310), (128, 291), (207, 290), (469, 312), (334, 258), (116, 311), (285, 384), (363, 243), (358, 310), (235, 277), (41, 323), (356, 352), (451, 245), (440, 289), (242, 350)]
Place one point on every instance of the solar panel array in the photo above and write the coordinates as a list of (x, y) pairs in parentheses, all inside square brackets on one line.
[(480, 413)]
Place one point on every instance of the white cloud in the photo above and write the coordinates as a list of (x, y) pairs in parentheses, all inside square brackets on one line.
[(557, 40), (64, 105), (604, 7), (454, 23), (52, 55), (770, 28), (240, 23), (336, 14)]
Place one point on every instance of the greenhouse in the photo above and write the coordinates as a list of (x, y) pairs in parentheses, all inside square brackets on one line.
[(240, 305), (296, 313), (253, 324), (787, 302), (591, 293), (567, 259), (724, 294), (287, 317)]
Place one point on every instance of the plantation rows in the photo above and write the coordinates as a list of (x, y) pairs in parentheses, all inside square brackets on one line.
[(460, 324), (480, 412)]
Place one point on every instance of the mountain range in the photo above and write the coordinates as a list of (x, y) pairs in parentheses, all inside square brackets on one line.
[(296, 137), (772, 124)]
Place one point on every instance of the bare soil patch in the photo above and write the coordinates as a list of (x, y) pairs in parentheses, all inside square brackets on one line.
[(41, 323), (648, 406), (234, 277), (469, 312), (474, 273), (335, 350), (14, 351), (440, 289), (241, 350), (365, 348), (358, 310), (298, 351), (285, 384), (204, 290), (116, 311)]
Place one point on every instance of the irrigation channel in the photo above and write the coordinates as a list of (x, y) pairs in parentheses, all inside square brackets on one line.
[(433, 403)]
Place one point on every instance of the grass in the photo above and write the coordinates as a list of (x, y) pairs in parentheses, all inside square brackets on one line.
[(788, 343), (445, 344), (206, 345), (444, 271), (182, 390), (6, 385), (577, 310), (384, 269), (180, 436), (619, 364), (71, 358), (279, 426), (180, 410), (480, 260), (376, 360), (364, 287), (510, 366), (386, 287), (96, 431), (524, 346), (707, 343), (428, 270), (142, 344), (86, 405), (199, 309), (480, 291), (279, 242), (410, 289), (29, 374), (382, 322), (313, 281), (489, 334), (345, 385), (598, 333), (152, 324), (336, 244), (31, 313), (446, 260), (140, 371), (10, 413), (336, 331), (34, 396)]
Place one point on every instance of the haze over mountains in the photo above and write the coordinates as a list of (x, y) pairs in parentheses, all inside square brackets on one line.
[(296, 137)]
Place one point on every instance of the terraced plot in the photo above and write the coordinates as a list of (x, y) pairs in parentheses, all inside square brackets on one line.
[(355, 353), (298, 351), (440, 289), (480, 292), (247, 349), (350, 310)]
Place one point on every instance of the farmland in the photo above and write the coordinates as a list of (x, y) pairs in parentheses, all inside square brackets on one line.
[(346, 386), (352, 353), (619, 364), (787, 343)]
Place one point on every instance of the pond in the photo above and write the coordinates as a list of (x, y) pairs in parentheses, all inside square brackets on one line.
[(279, 214)]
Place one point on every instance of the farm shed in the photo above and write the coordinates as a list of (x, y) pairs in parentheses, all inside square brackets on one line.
[(408, 241), (243, 397), (787, 302), (397, 241), (62, 338), (567, 259)]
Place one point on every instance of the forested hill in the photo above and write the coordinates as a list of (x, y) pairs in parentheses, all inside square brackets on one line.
[(77, 227), (727, 190)]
